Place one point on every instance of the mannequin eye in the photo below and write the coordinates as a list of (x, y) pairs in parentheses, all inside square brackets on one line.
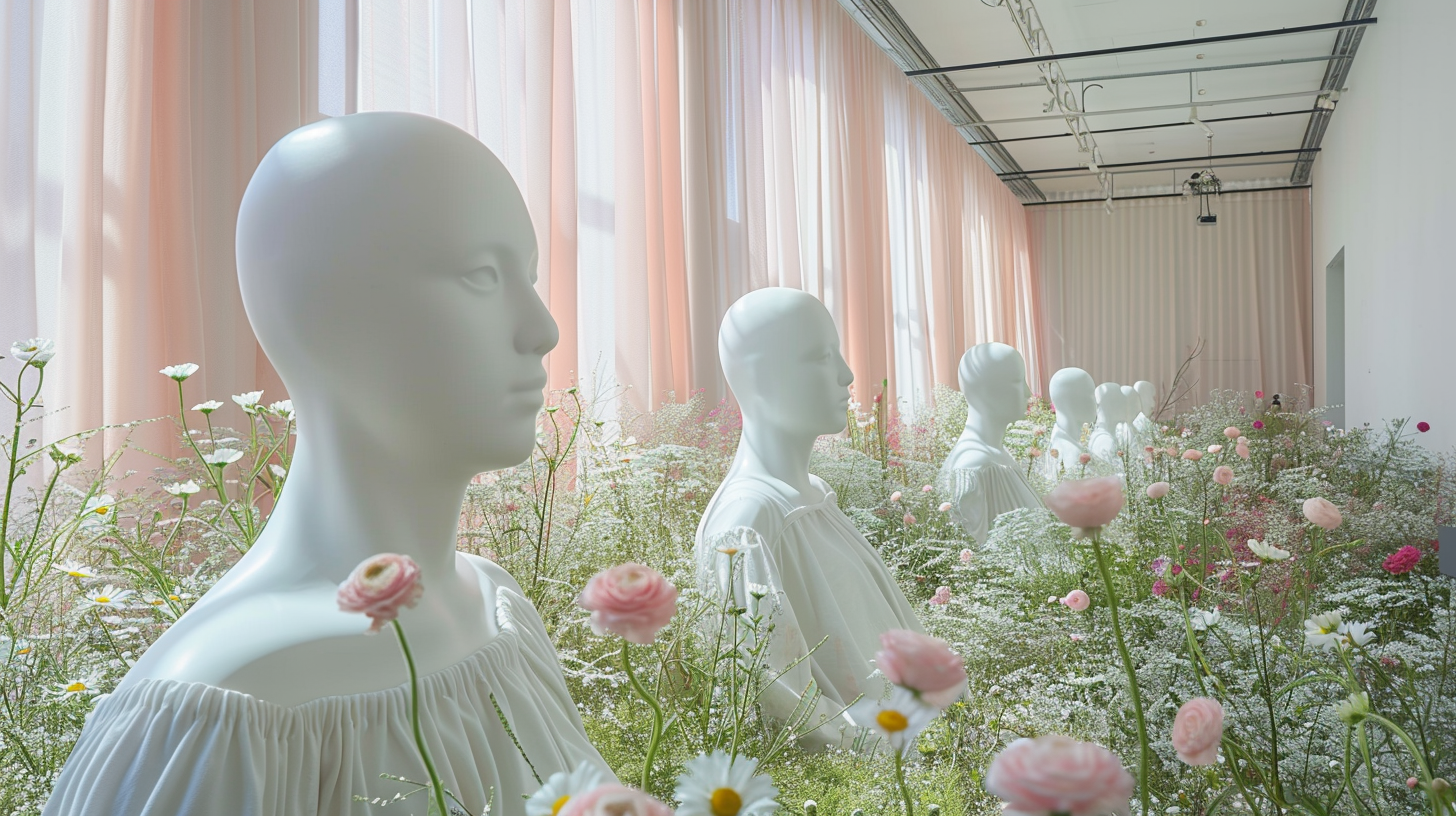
[(484, 279)]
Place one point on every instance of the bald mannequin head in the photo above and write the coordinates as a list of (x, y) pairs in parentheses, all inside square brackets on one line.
[(386, 261), (1111, 405), (780, 355), (993, 380), (1073, 393), (1147, 397)]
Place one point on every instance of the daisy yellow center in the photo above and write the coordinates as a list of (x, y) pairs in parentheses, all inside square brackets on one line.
[(173, 598), (725, 802), (77, 574), (559, 804), (892, 721), (23, 651), (155, 602), (74, 687), (103, 599), (101, 511), (1327, 630), (33, 348)]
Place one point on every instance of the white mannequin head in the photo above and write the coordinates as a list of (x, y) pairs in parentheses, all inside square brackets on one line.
[(386, 261), (780, 354), (993, 380), (1132, 403), (1112, 405), (1147, 396), (1073, 393)]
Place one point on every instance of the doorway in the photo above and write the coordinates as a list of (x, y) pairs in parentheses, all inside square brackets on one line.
[(1335, 339)]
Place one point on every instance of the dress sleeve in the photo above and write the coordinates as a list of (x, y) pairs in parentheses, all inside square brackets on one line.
[(968, 501)]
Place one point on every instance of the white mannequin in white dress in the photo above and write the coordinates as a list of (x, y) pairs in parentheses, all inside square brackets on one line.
[(1147, 403), (386, 261), (1103, 442), (1073, 393), (979, 475), (780, 355)]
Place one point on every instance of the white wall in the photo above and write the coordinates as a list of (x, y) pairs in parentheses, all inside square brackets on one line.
[(1385, 190)]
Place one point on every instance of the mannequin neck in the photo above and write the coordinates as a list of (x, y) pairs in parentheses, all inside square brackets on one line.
[(776, 452), (985, 429), (347, 499)]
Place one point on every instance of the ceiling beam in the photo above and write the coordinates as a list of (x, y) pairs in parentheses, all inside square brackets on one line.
[(1201, 164), (1336, 73), (1300, 112), (1166, 195), (1201, 103), (1184, 160), (1129, 49), (1169, 72)]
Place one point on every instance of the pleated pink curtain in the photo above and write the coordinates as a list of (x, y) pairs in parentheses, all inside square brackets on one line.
[(1129, 295), (700, 150)]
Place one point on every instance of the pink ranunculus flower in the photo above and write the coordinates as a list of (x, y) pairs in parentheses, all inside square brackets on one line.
[(1231, 432), (909, 519), (1423, 426), (941, 596), (1258, 395), (896, 496), (1192, 455), (966, 556), (1242, 449), (1197, 730), (1087, 504), (1224, 475), (629, 600), (1077, 601), (1158, 490), (927, 489), (924, 664), (1085, 458), (1322, 513), (1402, 560), (1033, 451), (614, 800), (1258, 424), (945, 507), (380, 587), (1215, 448), (1057, 774)]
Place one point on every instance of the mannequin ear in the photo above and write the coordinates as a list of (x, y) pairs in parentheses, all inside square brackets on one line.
[(485, 280)]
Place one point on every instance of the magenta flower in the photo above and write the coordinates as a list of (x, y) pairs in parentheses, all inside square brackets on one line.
[(1258, 424), (1258, 395), (1423, 426), (1402, 560), (1160, 587)]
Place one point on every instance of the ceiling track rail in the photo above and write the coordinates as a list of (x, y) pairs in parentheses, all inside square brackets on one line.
[(1162, 125), (1347, 42), (1184, 160), (888, 29)]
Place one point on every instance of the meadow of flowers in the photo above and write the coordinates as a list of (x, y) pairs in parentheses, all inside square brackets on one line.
[(1249, 619)]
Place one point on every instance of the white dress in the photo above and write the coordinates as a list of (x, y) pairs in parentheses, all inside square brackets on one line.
[(167, 748), (981, 486), (823, 579)]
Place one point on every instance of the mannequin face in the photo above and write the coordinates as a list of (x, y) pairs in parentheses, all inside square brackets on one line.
[(1072, 392), (780, 351), (387, 262), (993, 381)]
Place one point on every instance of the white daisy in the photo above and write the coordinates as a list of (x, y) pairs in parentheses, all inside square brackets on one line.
[(186, 488), (222, 456), (109, 597), (1267, 552), (560, 787), (1202, 620), (75, 569), (98, 512), (19, 652), (80, 687), (37, 351), (179, 372), (1357, 634), (278, 471), (898, 719), (1353, 709), (1323, 631), (283, 408), (249, 401), (716, 784), (207, 407)]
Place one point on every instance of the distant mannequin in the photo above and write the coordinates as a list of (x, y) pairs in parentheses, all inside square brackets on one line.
[(1111, 411), (1073, 393), (1147, 403), (982, 479), (1132, 406), (386, 261), (780, 355)]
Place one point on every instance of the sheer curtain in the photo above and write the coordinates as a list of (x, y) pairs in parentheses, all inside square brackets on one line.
[(1128, 295), (699, 150)]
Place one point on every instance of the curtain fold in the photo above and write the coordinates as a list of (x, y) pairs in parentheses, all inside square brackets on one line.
[(1129, 295)]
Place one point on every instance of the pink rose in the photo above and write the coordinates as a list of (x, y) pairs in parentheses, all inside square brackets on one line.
[(1192, 455), (894, 497), (924, 664), (1231, 432), (1084, 458), (1402, 560), (629, 600), (966, 556), (1158, 490), (1087, 503), (614, 800), (1224, 475), (1077, 601), (380, 587), (1197, 730), (1321, 513), (941, 596), (1057, 774)]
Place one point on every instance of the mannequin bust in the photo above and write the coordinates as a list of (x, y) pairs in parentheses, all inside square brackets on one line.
[(1147, 403), (780, 355), (1103, 443), (1073, 393), (981, 478), (386, 262)]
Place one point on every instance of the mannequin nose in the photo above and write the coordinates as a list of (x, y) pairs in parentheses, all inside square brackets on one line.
[(538, 331), (846, 376)]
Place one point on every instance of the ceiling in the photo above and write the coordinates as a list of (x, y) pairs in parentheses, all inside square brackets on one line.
[(931, 34)]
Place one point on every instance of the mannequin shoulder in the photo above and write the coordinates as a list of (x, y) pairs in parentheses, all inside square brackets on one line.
[(742, 506)]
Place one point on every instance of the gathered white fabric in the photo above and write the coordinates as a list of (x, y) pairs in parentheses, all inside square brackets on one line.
[(819, 579), (980, 493), (164, 748)]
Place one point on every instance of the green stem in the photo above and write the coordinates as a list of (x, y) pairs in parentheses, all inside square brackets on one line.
[(1410, 745), (1144, 749), (904, 790), (20, 411), (656, 716), (435, 785)]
